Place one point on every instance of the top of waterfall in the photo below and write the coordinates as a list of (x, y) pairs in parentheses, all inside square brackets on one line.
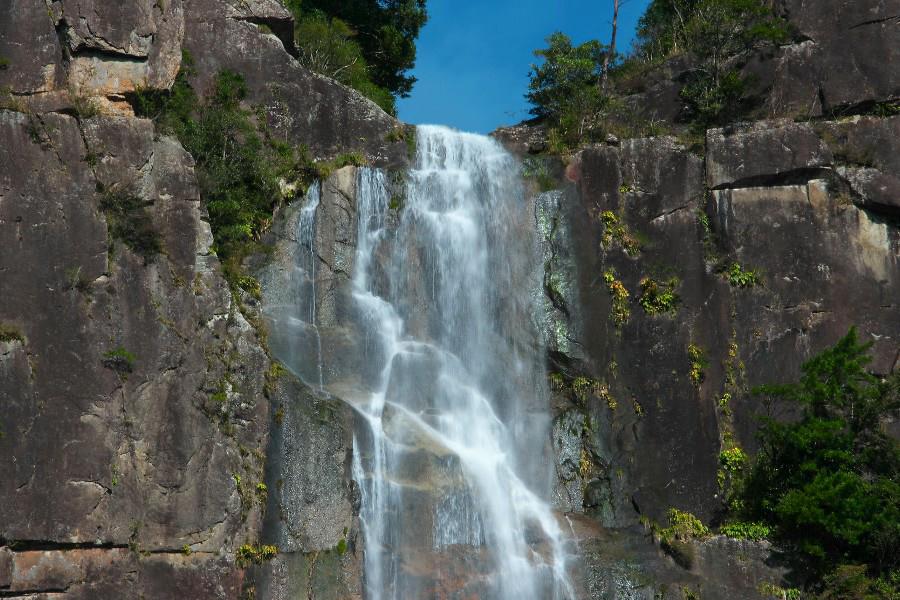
[(440, 147)]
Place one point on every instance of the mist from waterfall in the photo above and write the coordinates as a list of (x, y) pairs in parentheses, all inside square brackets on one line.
[(451, 453)]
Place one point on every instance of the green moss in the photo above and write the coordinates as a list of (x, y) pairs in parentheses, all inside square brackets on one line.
[(4, 63), (341, 547)]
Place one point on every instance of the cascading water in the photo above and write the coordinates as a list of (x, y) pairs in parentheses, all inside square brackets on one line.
[(451, 451)]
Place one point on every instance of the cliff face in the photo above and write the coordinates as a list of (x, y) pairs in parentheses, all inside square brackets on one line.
[(135, 386), (145, 434)]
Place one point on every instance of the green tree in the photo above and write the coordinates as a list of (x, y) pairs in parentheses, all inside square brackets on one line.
[(564, 88), (328, 46), (828, 481), (717, 33), (386, 32)]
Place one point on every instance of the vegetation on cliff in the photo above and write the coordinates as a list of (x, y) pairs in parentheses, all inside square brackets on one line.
[(828, 483), (369, 45), (568, 92), (240, 166)]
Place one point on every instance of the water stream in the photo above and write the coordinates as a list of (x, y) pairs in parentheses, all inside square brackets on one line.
[(435, 341), (452, 460)]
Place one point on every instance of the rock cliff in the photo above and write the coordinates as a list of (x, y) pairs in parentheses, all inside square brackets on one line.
[(150, 444)]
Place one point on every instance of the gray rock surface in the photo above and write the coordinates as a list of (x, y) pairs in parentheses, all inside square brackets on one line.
[(108, 453)]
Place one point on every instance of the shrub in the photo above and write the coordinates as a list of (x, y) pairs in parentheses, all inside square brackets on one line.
[(250, 554), (564, 88), (240, 166), (827, 482), (119, 360), (699, 362), (737, 276), (128, 221), (746, 531), (620, 312), (675, 539), (615, 231), (657, 298)]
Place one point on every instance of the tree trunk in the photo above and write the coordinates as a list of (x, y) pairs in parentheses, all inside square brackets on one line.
[(612, 46)]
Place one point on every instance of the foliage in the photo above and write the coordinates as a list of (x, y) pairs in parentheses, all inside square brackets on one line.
[(119, 360), (240, 166), (683, 526), (327, 46), (742, 530), (8, 333), (375, 39), (853, 582), (564, 89), (538, 170), (129, 221), (83, 105), (715, 33), (4, 63), (615, 231), (657, 298), (620, 310), (699, 362), (827, 483), (675, 539), (737, 276), (249, 554)]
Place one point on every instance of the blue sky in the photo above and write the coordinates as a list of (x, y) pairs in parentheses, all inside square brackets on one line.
[(474, 55)]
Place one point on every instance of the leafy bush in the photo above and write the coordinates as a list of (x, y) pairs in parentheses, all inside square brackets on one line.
[(657, 298), (827, 483), (327, 46), (369, 45), (675, 539), (250, 554), (737, 276), (746, 531), (699, 362), (119, 360), (565, 87), (240, 166), (620, 310)]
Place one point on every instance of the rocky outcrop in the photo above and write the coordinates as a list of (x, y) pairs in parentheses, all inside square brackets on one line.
[(837, 62), (133, 401), (302, 107)]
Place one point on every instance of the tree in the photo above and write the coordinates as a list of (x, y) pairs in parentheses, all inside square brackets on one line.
[(564, 87), (611, 54), (386, 31), (717, 33), (828, 482)]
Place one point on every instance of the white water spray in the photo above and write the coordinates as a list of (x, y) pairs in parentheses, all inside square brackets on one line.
[(451, 454)]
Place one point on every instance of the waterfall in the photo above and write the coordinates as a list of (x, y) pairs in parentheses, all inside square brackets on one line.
[(451, 451)]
